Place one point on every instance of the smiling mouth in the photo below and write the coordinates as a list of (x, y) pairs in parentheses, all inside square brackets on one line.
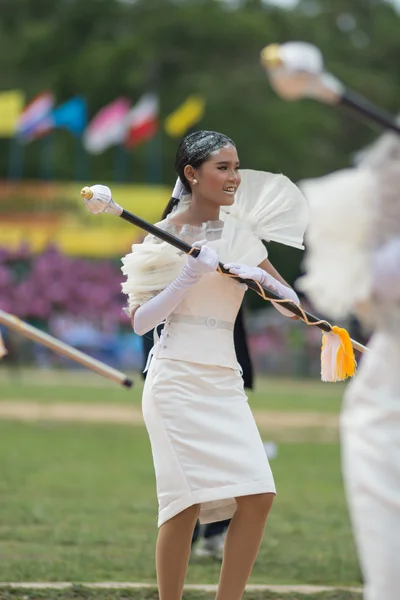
[(229, 190)]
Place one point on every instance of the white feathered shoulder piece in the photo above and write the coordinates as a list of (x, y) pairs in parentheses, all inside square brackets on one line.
[(272, 206), (149, 268)]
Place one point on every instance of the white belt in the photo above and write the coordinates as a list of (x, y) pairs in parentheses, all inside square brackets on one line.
[(210, 322)]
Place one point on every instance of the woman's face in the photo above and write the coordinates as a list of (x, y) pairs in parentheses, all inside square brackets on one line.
[(218, 177)]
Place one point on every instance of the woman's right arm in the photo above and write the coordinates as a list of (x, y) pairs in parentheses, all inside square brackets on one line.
[(154, 311)]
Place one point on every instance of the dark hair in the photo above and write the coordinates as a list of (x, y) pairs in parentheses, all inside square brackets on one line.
[(194, 150), (170, 207)]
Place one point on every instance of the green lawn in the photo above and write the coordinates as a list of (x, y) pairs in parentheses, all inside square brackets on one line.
[(77, 503), (270, 393)]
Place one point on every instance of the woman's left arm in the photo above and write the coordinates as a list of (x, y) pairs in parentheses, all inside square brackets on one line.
[(269, 278), (267, 266)]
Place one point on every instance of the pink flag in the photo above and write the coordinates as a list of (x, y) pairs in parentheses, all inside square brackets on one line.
[(142, 120), (108, 127)]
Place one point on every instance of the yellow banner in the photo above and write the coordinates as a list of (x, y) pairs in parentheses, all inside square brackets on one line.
[(185, 116), (11, 105), (40, 214)]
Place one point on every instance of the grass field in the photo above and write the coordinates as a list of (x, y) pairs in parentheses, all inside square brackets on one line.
[(77, 501)]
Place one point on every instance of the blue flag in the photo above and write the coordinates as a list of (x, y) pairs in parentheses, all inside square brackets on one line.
[(71, 115)]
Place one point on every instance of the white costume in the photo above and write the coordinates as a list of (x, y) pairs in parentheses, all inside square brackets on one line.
[(205, 443), (354, 265)]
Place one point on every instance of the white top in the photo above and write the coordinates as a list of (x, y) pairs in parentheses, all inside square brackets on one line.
[(207, 313)]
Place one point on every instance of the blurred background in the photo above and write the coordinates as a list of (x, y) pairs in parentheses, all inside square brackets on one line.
[(101, 91)]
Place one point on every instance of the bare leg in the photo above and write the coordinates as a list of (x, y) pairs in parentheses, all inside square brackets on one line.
[(242, 543), (173, 552)]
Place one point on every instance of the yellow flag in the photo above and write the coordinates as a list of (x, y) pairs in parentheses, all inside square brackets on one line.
[(11, 105), (185, 116)]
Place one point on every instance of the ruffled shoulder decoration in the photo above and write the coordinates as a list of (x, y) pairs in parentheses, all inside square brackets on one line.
[(150, 268), (272, 206)]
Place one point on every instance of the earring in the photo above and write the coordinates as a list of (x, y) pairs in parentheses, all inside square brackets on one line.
[(194, 181)]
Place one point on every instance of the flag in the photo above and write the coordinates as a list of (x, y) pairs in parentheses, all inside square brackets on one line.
[(11, 105), (108, 127), (71, 115), (34, 120), (185, 116), (142, 120)]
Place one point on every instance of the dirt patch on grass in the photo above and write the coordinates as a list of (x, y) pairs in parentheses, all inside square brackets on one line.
[(285, 426), (278, 589)]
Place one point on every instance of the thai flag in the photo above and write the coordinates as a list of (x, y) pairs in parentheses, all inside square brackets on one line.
[(142, 120), (34, 121)]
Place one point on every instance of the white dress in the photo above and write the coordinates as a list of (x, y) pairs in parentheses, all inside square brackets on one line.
[(205, 443)]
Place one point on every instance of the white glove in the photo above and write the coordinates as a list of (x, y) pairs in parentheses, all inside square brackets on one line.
[(206, 262), (157, 309), (267, 281), (386, 271)]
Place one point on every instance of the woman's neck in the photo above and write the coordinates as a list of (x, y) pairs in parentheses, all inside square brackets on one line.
[(198, 213)]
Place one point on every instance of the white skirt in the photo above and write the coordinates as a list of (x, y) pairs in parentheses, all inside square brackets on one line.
[(205, 443)]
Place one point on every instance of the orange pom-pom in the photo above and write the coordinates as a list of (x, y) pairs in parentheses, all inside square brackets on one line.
[(337, 356)]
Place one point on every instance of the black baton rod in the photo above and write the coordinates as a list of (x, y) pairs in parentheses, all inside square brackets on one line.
[(364, 107)]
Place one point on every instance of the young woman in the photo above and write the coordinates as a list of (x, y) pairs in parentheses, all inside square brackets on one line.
[(208, 541), (209, 459)]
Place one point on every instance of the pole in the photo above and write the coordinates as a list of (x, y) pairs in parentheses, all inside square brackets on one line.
[(63, 349)]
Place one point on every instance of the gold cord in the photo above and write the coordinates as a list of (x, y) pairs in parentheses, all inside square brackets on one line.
[(261, 293)]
